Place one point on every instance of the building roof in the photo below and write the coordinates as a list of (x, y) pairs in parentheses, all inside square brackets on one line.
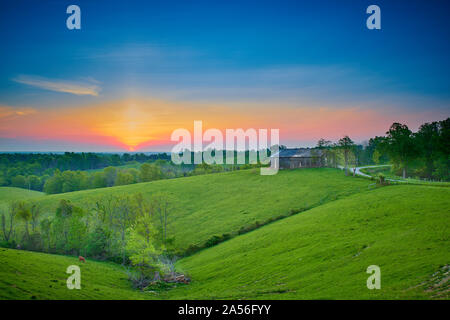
[(299, 153)]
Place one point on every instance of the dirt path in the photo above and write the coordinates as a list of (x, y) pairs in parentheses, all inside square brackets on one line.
[(359, 173)]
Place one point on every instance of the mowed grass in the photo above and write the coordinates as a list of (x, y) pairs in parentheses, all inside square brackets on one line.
[(222, 203), (323, 253), (33, 275)]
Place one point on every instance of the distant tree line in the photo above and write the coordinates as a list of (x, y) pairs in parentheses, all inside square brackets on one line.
[(32, 170), (423, 154), (25, 170)]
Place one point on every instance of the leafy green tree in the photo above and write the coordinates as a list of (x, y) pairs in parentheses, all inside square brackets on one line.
[(35, 211), (98, 180), (19, 181), (46, 225), (67, 222), (122, 216), (141, 247), (33, 182), (400, 145), (376, 157), (346, 145), (124, 178), (323, 144), (54, 184), (98, 240), (150, 172), (77, 233), (110, 175), (135, 173), (8, 229), (427, 140), (24, 214)]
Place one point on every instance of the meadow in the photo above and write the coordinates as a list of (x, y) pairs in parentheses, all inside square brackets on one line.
[(323, 253), (34, 275), (225, 203), (317, 232), (8, 194)]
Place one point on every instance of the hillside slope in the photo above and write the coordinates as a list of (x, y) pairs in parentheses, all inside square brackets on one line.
[(323, 253), (10, 194), (221, 203), (33, 275)]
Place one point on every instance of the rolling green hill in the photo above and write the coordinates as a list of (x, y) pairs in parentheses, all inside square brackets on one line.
[(10, 194), (223, 203), (340, 227), (32, 275), (323, 253)]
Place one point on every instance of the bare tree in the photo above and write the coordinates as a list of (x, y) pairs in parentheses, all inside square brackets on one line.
[(162, 206), (8, 230), (35, 213), (122, 217)]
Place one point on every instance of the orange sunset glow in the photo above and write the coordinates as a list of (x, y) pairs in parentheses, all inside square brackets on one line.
[(131, 125)]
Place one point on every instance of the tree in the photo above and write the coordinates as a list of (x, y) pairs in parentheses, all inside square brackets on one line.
[(327, 147), (46, 231), (64, 224), (162, 206), (141, 248), (150, 172), (123, 215), (443, 149), (376, 157), (98, 180), (400, 145), (110, 175), (8, 230), (35, 210), (124, 178), (19, 181), (346, 145), (427, 142), (323, 144), (376, 150), (54, 184), (33, 182), (24, 214)]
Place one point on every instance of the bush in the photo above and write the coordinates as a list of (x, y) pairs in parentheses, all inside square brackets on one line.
[(8, 244)]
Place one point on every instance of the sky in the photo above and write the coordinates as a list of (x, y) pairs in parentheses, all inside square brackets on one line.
[(138, 70)]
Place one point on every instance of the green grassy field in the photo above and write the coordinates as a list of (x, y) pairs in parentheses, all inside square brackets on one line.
[(323, 253), (8, 194), (223, 203), (33, 275), (340, 228), (11, 193)]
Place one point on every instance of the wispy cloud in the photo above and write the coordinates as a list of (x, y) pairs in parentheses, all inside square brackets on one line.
[(7, 112), (59, 85)]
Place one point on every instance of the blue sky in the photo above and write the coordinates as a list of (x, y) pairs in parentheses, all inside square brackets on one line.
[(290, 52)]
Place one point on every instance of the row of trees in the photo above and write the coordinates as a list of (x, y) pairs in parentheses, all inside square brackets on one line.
[(425, 153), (31, 170), (422, 154), (118, 228), (68, 181)]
